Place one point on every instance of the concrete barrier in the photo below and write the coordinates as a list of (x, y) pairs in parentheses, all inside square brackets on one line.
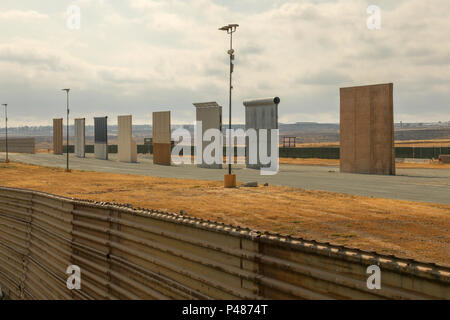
[(210, 115), (127, 253), (260, 114), (162, 150), (367, 130), (101, 138), (58, 136), (18, 145), (80, 137), (127, 148)]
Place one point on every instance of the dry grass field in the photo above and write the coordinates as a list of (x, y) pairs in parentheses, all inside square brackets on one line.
[(404, 228)]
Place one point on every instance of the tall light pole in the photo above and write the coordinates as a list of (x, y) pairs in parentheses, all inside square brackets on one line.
[(67, 133), (230, 181), (6, 125)]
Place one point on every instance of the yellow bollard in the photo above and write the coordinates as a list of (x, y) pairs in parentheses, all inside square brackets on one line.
[(230, 181)]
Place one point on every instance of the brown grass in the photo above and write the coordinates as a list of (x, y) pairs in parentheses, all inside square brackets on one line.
[(404, 228)]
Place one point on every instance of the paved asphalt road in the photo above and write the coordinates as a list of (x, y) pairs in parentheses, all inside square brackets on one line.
[(428, 185)]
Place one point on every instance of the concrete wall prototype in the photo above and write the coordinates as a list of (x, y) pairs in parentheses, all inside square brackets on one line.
[(210, 114), (58, 136), (260, 114), (18, 145), (80, 137), (127, 149), (162, 138), (367, 129), (101, 138)]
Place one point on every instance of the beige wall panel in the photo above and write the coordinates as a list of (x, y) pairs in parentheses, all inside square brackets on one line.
[(127, 149), (80, 137), (210, 114), (161, 127)]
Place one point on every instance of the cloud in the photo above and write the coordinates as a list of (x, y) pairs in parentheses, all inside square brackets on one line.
[(31, 58), (149, 53), (121, 76), (325, 77), (22, 15)]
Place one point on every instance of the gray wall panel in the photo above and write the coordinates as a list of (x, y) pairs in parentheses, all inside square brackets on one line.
[(80, 138), (260, 114), (101, 130)]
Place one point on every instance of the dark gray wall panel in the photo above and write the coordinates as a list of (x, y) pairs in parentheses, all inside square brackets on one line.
[(101, 129)]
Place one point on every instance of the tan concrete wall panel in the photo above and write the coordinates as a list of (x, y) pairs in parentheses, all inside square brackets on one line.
[(80, 137), (58, 136), (161, 138), (367, 129), (161, 127), (210, 115), (127, 149)]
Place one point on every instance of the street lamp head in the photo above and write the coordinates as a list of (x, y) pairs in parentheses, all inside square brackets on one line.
[(5, 104), (67, 90), (229, 28)]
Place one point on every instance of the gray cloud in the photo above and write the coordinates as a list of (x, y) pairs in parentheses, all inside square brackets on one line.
[(30, 58), (142, 55), (325, 78)]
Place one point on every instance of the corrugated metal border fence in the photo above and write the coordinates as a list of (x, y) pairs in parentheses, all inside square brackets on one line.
[(127, 253), (18, 145)]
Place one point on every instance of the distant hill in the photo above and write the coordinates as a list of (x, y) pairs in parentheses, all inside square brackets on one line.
[(306, 132)]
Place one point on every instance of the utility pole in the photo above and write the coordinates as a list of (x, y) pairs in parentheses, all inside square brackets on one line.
[(230, 180), (6, 125), (67, 133)]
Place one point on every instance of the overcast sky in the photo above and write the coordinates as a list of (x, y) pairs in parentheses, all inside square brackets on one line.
[(139, 56)]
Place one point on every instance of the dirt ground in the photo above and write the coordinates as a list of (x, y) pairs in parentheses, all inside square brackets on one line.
[(408, 229)]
